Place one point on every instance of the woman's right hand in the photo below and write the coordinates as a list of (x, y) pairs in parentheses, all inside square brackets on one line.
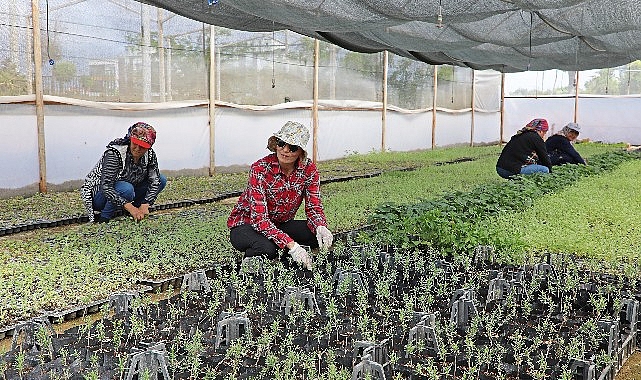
[(135, 212), (300, 255)]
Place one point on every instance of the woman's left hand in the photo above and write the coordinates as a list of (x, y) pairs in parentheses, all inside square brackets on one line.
[(324, 237), (144, 208)]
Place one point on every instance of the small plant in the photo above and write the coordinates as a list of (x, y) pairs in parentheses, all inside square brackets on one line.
[(92, 375), (194, 348), (20, 362)]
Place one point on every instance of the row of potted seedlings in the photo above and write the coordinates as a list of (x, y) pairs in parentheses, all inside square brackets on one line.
[(364, 312)]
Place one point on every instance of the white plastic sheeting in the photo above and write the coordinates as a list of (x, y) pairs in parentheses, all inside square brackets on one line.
[(452, 129), (18, 146), (347, 132), (557, 111), (75, 136), (406, 132), (241, 135), (610, 119), (487, 90), (487, 127)]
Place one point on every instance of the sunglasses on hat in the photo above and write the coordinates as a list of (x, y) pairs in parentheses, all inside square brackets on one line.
[(281, 144)]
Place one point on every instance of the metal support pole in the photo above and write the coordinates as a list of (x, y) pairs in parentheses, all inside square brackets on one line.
[(315, 103), (40, 115)]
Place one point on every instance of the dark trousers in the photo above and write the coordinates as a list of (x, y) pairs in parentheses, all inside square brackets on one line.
[(245, 239), (134, 194)]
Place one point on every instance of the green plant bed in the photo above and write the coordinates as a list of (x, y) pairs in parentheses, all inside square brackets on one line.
[(457, 222), (597, 218), (59, 268), (59, 205), (349, 204), (51, 271)]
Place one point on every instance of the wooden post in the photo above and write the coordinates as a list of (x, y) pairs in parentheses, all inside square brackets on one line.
[(384, 110), (315, 103), (473, 103), (576, 96), (212, 101), (40, 116), (501, 141), (434, 106)]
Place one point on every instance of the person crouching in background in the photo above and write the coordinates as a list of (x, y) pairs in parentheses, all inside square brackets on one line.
[(525, 153), (560, 146)]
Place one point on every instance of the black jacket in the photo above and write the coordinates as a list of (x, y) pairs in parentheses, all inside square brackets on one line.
[(519, 151), (561, 151)]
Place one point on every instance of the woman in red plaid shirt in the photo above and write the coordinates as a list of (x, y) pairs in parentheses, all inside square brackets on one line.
[(262, 222)]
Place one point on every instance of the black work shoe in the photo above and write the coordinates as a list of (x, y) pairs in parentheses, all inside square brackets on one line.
[(102, 219)]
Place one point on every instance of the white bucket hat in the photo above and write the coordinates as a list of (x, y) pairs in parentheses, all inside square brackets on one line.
[(573, 126), (293, 133)]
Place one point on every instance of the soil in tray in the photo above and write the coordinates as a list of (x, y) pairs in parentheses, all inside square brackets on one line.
[(631, 369)]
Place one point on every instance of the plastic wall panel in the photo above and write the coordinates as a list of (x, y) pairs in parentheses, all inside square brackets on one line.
[(487, 90), (610, 120), (76, 138), (405, 132), (519, 111), (241, 135), (346, 132), (487, 127), (452, 129), (18, 146)]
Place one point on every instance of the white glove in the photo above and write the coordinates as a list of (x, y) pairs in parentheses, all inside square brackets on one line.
[(324, 237), (300, 255)]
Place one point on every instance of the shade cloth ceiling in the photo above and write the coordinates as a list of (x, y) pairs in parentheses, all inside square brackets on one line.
[(504, 35)]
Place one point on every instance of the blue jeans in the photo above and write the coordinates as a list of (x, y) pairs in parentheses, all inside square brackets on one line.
[(136, 195), (504, 173), (531, 169)]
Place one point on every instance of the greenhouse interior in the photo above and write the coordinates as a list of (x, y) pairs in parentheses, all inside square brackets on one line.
[(435, 267)]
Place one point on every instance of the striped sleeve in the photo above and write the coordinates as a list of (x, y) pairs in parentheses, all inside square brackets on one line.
[(153, 175), (111, 167)]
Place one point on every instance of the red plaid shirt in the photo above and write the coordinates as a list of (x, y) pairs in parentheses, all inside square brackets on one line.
[(271, 198)]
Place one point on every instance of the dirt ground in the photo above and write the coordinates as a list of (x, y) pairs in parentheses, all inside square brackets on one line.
[(631, 369)]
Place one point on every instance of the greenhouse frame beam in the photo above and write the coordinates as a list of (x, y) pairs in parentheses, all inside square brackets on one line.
[(315, 102), (435, 80), (576, 95), (472, 106), (40, 115), (212, 100), (384, 108)]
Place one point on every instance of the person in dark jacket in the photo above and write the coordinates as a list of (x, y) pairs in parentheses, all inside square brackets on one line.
[(525, 153), (560, 146), (126, 176)]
